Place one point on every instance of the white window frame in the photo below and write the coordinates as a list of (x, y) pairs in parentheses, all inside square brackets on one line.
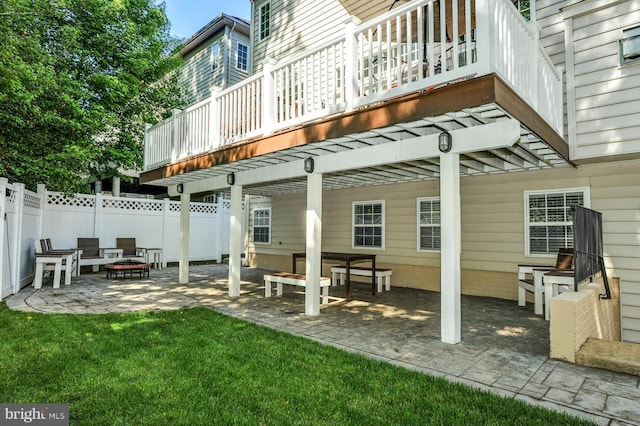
[(431, 225), (238, 44), (527, 224), (215, 56), (381, 225), (630, 37), (254, 226), (261, 35)]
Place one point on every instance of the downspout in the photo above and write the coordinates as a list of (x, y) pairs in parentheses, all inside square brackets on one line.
[(229, 55)]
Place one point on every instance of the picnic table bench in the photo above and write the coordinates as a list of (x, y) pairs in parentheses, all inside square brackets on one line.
[(338, 274), (299, 280)]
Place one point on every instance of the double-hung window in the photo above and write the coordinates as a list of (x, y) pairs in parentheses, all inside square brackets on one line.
[(264, 20), (262, 225), (242, 54), (548, 219), (368, 224), (428, 224), (215, 56)]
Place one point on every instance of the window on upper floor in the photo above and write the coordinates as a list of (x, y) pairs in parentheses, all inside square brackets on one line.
[(527, 8), (548, 219), (428, 224), (242, 54), (215, 56), (368, 224), (630, 46), (262, 225), (264, 20)]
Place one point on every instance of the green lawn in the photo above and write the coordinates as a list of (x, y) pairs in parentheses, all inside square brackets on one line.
[(196, 366)]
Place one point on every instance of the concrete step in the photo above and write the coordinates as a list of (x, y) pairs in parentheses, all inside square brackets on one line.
[(623, 357)]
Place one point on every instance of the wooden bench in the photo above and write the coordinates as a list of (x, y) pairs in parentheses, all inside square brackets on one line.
[(288, 278), (339, 273)]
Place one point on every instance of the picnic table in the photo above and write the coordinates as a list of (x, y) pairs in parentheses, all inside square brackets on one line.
[(347, 258)]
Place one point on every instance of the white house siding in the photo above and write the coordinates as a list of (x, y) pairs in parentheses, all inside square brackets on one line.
[(296, 26), (197, 72), (234, 74), (493, 239), (607, 96)]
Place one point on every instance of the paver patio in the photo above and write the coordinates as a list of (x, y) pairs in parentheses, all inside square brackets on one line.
[(504, 347)]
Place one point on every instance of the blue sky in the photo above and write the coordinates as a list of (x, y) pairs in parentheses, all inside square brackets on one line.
[(188, 16)]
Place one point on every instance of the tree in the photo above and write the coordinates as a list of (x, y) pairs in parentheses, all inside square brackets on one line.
[(78, 79)]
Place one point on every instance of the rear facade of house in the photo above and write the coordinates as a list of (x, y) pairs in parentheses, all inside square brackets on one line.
[(542, 104)]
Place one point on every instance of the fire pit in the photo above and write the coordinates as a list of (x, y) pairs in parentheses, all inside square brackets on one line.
[(127, 269)]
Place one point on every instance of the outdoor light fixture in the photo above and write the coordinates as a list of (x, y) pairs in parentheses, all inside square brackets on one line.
[(308, 165), (180, 188), (444, 142), (231, 179)]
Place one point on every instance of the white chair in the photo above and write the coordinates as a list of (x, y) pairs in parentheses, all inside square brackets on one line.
[(53, 261), (531, 279)]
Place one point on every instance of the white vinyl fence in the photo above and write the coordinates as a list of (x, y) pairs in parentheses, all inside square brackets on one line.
[(28, 217)]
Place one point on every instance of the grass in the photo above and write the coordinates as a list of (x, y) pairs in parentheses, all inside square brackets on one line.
[(196, 366)]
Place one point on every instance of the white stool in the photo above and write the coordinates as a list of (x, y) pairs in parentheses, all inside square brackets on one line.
[(154, 256), (41, 261)]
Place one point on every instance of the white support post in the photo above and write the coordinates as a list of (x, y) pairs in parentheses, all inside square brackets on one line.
[(450, 247), (313, 266), (219, 229), (535, 63), (42, 193), (183, 273), (351, 65), (484, 17), (235, 241), (97, 216), (145, 147), (166, 207), (175, 135), (269, 97), (115, 186), (4, 248), (214, 119), (15, 238)]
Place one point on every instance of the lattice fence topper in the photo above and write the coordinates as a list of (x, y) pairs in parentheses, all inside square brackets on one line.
[(59, 199), (132, 204), (203, 208), (174, 207), (32, 201)]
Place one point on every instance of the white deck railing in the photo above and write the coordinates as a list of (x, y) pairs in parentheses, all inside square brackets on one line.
[(400, 52)]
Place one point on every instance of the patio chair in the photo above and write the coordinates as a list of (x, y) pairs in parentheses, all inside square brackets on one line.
[(47, 248), (91, 253), (530, 278), (130, 250), (58, 261)]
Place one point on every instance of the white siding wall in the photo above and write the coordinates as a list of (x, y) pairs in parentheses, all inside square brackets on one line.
[(607, 95), (197, 73), (234, 74), (492, 228), (296, 26)]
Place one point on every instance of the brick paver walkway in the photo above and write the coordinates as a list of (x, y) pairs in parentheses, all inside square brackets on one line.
[(503, 350)]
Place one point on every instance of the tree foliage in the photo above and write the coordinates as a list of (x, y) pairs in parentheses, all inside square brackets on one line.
[(78, 79)]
